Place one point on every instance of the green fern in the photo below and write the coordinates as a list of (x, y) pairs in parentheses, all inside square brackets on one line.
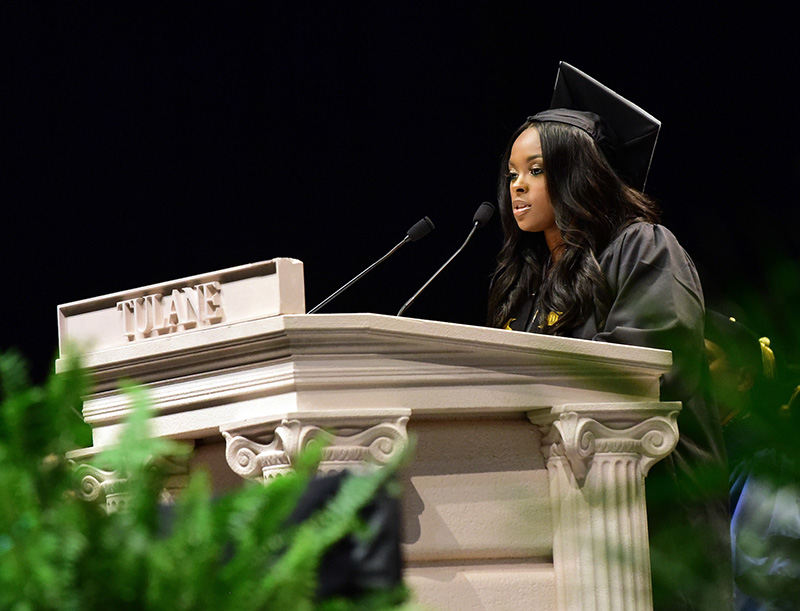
[(234, 552)]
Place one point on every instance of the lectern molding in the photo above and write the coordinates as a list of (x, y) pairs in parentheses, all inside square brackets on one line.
[(527, 483)]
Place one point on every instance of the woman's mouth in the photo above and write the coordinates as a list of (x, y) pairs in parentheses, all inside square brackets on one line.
[(520, 207)]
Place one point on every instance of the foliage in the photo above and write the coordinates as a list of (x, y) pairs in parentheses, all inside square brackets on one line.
[(765, 448), (769, 308), (233, 552)]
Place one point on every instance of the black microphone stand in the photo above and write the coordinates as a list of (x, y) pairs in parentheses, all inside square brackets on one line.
[(419, 230), (482, 216)]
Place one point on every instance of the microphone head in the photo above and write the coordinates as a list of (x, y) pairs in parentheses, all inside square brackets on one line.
[(420, 229), (483, 214)]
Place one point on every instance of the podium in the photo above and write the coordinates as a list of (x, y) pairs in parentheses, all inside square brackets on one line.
[(526, 486)]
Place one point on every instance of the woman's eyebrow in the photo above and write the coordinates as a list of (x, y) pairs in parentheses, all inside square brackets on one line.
[(531, 158)]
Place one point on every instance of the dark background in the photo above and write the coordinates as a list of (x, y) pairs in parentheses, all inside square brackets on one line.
[(147, 144)]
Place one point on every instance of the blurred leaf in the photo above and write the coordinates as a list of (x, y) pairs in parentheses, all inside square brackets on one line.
[(233, 552)]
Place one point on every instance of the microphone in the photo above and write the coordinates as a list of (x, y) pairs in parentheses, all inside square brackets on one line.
[(482, 216), (417, 231)]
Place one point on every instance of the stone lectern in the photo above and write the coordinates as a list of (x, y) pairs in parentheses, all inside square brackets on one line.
[(526, 489)]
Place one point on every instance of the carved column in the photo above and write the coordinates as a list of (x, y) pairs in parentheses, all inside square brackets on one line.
[(597, 459), (354, 441), (101, 486), (109, 487)]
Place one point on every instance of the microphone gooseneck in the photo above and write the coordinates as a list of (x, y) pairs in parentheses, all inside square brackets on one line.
[(417, 231), (481, 217)]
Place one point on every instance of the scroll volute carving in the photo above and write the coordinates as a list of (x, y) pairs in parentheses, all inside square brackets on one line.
[(109, 487), (353, 447), (580, 438)]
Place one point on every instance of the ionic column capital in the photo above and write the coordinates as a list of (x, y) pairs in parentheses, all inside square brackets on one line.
[(580, 438), (353, 441), (110, 486)]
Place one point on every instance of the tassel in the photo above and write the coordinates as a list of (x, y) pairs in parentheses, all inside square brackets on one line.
[(767, 358)]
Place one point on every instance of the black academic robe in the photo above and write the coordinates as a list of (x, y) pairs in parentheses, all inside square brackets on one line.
[(658, 303)]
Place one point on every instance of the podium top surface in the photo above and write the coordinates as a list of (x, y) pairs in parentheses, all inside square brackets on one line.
[(253, 315), (329, 336)]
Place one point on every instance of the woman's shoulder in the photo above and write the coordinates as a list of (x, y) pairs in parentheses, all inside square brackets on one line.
[(645, 243), (642, 237), (645, 233)]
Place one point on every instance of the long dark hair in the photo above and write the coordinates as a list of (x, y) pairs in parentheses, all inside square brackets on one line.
[(592, 204)]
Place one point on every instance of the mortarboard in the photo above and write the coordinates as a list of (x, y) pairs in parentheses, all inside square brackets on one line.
[(740, 344), (583, 102)]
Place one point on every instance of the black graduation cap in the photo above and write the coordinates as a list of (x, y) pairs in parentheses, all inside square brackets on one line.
[(740, 344), (629, 143)]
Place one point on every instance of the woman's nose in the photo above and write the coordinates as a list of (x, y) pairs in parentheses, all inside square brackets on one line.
[(518, 185)]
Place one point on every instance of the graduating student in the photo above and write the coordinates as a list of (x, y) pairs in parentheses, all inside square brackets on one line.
[(585, 257), (760, 433)]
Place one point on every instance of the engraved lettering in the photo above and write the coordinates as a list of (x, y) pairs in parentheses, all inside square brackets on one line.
[(192, 303), (126, 307), (211, 302), (173, 317), (183, 309), (155, 308), (142, 316)]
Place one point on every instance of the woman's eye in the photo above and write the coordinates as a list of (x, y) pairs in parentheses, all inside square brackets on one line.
[(512, 176), (536, 171)]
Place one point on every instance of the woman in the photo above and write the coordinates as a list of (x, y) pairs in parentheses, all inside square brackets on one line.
[(584, 257)]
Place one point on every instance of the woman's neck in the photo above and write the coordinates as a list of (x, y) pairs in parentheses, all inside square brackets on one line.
[(555, 243)]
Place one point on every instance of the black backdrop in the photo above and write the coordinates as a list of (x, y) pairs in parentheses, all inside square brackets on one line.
[(144, 145)]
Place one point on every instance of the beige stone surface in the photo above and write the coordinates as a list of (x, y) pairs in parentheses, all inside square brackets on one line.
[(494, 587), (527, 477), (476, 489), (224, 297)]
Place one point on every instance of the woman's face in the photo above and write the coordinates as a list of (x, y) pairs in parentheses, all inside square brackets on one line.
[(529, 199)]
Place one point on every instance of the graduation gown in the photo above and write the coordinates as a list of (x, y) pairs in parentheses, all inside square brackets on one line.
[(657, 302)]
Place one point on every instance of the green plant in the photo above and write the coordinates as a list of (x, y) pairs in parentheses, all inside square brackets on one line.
[(234, 552)]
